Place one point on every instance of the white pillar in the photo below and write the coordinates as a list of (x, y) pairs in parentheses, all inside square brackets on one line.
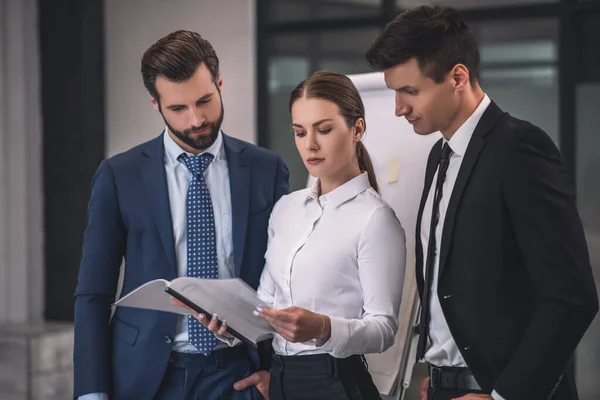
[(21, 189)]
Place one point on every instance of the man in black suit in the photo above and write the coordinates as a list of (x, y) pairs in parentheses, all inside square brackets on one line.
[(503, 269)]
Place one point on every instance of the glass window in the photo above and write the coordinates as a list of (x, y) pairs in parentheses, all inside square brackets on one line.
[(588, 191), (588, 32), (309, 10), (519, 69), (588, 196), (285, 72)]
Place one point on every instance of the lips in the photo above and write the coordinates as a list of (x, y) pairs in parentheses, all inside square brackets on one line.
[(201, 131), (412, 121), (314, 160)]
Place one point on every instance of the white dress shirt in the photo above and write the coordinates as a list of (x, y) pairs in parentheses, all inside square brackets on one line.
[(442, 349), (217, 180), (343, 255)]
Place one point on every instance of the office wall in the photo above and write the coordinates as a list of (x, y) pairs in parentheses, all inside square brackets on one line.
[(132, 26)]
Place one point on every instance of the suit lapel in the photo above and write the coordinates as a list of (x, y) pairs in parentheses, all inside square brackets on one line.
[(432, 162), (487, 122), (155, 182), (239, 181)]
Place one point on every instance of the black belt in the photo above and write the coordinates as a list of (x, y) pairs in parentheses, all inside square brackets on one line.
[(221, 356), (318, 363), (452, 378)]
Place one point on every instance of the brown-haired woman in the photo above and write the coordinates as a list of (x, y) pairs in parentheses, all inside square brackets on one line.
[(336, 256)]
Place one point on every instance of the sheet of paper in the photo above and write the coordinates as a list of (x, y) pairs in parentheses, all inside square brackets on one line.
[(231, 299), (152, 296)]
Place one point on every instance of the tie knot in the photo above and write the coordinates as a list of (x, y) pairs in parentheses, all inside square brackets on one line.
[(197, 164), (446, 152)]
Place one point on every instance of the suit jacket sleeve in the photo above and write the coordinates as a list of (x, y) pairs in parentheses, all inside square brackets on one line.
[(282, 187), (540, 200), (103, 247)]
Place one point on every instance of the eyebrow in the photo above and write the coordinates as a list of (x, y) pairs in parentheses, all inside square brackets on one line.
[(201, 99), (405, 88), (315, 124)]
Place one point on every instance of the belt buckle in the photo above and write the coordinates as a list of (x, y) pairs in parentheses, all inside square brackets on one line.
[(364, 361), (434, 375)]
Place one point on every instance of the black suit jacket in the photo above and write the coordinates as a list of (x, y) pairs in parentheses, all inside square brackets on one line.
[(515, 281)]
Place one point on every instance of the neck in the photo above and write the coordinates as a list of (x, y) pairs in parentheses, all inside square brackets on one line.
[(332, 182), (468, 105)]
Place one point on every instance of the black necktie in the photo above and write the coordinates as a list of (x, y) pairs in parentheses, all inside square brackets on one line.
[(431, 252)]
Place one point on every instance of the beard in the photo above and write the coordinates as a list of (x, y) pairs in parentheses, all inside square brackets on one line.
[(199, 142)]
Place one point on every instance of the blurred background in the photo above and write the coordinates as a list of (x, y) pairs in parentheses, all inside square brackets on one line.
[(71, 94)]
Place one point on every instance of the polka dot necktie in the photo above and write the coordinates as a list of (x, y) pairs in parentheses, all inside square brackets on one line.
[(201, 242)]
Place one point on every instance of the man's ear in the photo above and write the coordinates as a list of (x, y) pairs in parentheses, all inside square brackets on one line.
[(220, 83), (460, 76), (154, 103)]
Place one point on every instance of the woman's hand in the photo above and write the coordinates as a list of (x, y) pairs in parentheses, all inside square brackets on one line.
[(211, 324), (296, 324)]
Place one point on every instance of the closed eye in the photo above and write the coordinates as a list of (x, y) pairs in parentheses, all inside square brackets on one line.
[(408, 90)]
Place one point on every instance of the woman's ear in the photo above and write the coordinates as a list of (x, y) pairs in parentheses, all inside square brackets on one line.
[(359, 129)]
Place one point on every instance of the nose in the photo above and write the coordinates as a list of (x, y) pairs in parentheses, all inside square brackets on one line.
[(310, 142), (401, 108), (197, 118)]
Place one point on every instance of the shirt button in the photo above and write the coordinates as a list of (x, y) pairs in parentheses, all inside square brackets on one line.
[(167, 339)]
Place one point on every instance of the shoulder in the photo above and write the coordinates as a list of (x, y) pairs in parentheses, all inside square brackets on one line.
[(520, 143), (515, 132), (379, 220), (370, 209), (377, 206), (132, 157)]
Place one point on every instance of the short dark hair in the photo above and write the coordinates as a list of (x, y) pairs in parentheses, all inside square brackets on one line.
[(177, 56), (437, 37)]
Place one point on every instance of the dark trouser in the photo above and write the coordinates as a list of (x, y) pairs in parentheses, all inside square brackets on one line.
[(199, 377), (321, 376)]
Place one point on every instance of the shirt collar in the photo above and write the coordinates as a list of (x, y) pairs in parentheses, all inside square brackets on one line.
[(342, 194), (460, 140), (173, 150)]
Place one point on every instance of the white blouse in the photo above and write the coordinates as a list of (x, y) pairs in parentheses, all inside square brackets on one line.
[(342, 255)]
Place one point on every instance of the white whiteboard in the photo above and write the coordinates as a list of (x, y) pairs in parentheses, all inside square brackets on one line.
[(399, 158)]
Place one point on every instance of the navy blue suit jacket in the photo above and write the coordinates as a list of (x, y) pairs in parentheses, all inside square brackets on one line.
[(129, 219)]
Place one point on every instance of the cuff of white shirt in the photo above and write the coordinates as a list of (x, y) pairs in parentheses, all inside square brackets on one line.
[(496, 396), (230, 341), (340, 334), (94, 396)]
